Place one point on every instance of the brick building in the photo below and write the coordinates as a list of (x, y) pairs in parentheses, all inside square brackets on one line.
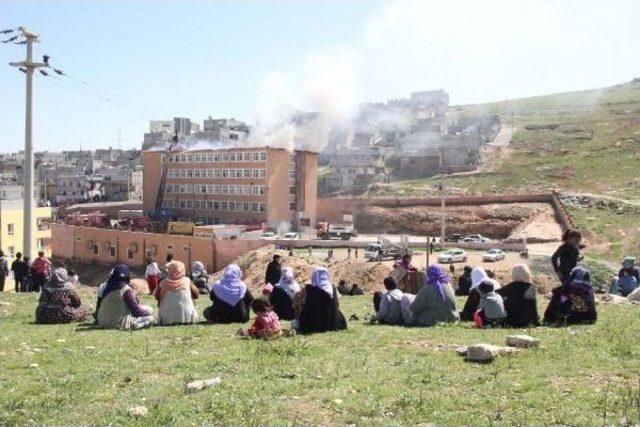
[(222, 184)]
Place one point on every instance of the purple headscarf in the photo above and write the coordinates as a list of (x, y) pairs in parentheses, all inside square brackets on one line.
[(437, 277), (118, 279), (230, 289)]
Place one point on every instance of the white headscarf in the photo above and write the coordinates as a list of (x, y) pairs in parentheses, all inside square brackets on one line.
[(230, 288), (287, 282), (478, 275), (320, 279)]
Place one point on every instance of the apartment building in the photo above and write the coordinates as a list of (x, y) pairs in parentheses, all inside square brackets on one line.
[(12, 227), (222, 184)]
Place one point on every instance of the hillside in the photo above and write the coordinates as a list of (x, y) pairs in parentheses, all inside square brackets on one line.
[(579, 142)]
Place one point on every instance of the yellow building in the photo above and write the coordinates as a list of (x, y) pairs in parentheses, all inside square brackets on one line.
[(11, 228)]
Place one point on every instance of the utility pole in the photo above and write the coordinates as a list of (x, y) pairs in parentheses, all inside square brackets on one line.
[(443, 224), (28, 66)]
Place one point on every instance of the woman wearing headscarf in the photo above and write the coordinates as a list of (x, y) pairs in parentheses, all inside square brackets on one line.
[(175, 296), (478, 275), (573, 302), (200, 277), (319, 311), (520, 300), (435, 302), (281, 297), (231, 298), (628, 278), (60, 302), (119, 305)]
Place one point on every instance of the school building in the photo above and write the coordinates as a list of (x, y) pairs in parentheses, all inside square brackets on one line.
[(216, 183)]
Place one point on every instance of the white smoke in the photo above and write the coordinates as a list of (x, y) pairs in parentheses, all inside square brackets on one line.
[(326, 92)]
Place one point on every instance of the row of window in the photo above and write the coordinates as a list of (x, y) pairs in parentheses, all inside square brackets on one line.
[(217, 173), (256, 156), (241, 190), (202, 205)]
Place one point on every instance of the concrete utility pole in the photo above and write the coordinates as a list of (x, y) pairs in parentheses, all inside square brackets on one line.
[(443, 225), (29, 203)]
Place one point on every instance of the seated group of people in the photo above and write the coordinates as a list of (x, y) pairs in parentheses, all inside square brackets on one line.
[(313, 308), (488, 304)]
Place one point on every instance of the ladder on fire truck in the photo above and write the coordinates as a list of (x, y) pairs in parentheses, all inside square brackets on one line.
[(163, 177)]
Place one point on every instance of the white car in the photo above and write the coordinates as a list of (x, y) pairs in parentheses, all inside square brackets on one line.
[(493, 255), (291, 236), (269, 235), (451, 256), (476, 238)]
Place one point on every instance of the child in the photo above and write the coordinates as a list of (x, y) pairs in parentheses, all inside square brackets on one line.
[(266, 324), (73, 277), (566, 257), (491, 310), (267, 289), (152, 275)]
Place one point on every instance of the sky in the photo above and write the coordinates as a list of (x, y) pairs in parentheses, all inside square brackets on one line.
[(128, 62)]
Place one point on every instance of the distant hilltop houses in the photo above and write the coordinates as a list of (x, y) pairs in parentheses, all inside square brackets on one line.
[(404, 138)]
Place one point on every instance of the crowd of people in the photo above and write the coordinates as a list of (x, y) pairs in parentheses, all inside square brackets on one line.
[(315, 307)]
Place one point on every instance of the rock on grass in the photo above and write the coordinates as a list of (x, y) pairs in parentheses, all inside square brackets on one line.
[(199, 385), (523, 341), (138, 411), (487, 352)]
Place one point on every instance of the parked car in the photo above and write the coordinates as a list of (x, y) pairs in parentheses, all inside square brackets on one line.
[(269, 235), (453, 238), (451, 256), (476, 238), (493, 255), (291, 236)]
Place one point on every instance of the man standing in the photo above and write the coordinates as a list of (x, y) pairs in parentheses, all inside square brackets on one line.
[(4, 270), (274, 271), (40, 270), (20, 270)]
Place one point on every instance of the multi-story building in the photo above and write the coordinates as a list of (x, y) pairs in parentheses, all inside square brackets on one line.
[(221, 184), (12, 227), (356, 166), (137, 179)]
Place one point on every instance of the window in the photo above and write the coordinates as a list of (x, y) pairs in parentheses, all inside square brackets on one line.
[(232, 157), (263, 207), (112, 251), (209, 173), (224, 206), (292, 190), (196, 173), (197, 158), (10, 229), (216, 157), (225, 173), (216, 189), (189, 204), (263, 156), (210, 205), (96, 248), (232, 189), (293, 206), (189, 158), (189, 173), (225, 189), (232, 173), (12, 250), (246, 206), (255, 173), (262, 173), (255, 207), (216, 173), (225, 157), (196, 204), (256, 157), (216, 206), (292, 174), (129, 253), (183, 158), (209, 158), (232, 206), (246, 173)]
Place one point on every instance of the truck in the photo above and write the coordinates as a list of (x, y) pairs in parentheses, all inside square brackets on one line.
[(181, 227), (385, 249), (329, 230)]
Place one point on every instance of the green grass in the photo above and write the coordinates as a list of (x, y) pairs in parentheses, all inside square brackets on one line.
[(367, 375)]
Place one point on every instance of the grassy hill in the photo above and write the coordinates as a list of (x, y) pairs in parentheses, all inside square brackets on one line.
[(586, 142), (367, 375)]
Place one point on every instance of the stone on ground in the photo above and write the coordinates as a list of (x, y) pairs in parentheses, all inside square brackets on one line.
[(198, 385), (138, 411), (487, 352), (634, 296), (524, 341), (612, 299)]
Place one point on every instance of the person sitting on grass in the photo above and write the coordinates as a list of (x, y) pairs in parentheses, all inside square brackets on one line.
[(435, 302), (200, 277), (573, 303), (343, 288), (266, 323), (464, 282), (60, 302), (175, 296), (231, 298), (119, 307), (628, 278), (491, 312), (281, 297), (387, 305), (520, 300), (316, 305), (478, 275), (356, 290)]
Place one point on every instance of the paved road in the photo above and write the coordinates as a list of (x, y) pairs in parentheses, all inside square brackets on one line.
[(503, 138)]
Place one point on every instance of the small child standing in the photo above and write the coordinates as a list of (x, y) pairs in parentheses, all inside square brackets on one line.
[(566, 257), (152, 275), (266, 324), (491, 310)]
